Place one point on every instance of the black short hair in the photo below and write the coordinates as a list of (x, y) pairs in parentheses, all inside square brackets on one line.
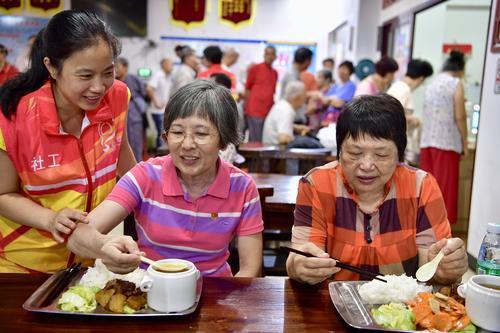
[(123, 61), (302, 54), (455, 62), (4, 50), (347, 64), (381, 117), (385, 66), (213, 54), (329, 60), (179, 48), (327, 74), (222, 79), (419, 68)]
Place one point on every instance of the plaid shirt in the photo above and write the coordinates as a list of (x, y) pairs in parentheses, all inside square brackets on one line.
[(413, 216)]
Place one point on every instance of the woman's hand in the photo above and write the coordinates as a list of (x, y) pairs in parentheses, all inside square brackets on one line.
[(64, 222), (454, 263), (311, 270), (121, 254)]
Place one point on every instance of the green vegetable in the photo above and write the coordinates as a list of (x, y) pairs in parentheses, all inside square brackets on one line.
[(127, 309), (394, 315), (78, 299)]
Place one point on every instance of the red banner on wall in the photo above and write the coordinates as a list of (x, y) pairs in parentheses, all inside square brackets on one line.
[(188, 13), (464, 48), (45, 7), (11, 6), (236, 12)]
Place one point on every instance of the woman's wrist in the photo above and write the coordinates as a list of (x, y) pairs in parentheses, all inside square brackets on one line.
[(48, 221)]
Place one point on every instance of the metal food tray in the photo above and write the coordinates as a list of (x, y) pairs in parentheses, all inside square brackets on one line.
[(33, 302), (347, 301)]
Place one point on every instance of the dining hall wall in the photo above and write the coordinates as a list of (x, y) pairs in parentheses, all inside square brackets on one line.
[(289, 21), (485, 204)]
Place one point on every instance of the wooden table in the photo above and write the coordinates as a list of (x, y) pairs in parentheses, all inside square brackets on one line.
[(291, 161), (285, 190), (226, 305)]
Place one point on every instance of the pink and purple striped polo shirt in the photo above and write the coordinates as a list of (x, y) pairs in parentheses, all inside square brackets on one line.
[(170, 224)]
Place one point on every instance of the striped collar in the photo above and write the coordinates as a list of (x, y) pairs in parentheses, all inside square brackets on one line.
[(172, 185)]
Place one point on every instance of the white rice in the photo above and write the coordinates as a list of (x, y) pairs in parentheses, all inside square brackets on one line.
[(99, 275), (398, 289)]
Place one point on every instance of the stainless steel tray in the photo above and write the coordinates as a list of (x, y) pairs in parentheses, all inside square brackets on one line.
[(33, 302), (346, 299)]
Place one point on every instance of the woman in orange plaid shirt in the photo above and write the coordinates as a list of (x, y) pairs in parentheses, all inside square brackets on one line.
[(369, 209)]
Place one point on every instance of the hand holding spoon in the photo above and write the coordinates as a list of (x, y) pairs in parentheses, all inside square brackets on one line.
[(427, 270)]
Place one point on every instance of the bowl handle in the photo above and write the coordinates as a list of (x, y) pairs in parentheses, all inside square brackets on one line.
[(146, 283), (462, 290)]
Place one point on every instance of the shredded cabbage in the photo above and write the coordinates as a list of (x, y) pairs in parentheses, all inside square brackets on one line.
[(78, 299), (394, 315)]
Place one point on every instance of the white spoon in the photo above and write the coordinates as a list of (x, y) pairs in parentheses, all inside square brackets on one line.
[(427, 270)]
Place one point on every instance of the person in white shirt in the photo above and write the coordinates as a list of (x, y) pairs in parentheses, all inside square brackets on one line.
[(186, 72), (416, 73), (158, 90), (279, 125)]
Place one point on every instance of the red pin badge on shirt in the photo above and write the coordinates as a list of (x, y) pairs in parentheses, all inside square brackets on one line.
[(214, 216)]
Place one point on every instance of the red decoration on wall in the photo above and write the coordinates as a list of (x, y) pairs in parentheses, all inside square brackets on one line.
[(236, 11), (10, 4), (187, 12), (464, 48), (45, 4)]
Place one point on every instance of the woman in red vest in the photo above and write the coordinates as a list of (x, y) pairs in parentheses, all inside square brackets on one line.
[(62, 141)]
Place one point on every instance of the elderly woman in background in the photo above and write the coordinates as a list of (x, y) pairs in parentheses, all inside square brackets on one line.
[(367, 209), (188, 204), (444, 130)]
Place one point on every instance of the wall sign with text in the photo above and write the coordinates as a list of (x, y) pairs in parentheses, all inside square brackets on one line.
[(237, 12), (42, 7), (188, 13)]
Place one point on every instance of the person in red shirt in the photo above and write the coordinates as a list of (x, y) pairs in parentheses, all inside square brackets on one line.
[(260, 88), (7, 71), (212, 57)]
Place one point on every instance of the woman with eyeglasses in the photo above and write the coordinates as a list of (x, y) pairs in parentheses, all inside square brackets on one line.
[(188, 204)]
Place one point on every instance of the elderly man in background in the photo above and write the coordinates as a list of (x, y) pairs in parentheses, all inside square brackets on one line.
[(260, 88), (279, 127), (7, 71), (158, 90), (229, 58), (186, 72)]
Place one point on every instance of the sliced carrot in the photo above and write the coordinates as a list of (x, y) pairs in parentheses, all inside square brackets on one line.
[(442, 322)]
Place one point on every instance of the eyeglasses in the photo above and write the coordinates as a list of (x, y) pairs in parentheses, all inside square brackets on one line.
[(200, 138)]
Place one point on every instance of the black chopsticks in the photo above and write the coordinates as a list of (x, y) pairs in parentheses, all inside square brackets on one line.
[(338, 264), (62, 282)]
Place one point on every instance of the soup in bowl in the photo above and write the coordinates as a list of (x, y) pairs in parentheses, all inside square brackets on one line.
[(171, 285)]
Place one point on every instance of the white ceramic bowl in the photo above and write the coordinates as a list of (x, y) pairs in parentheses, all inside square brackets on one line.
[(482, 303), (171, 292)]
